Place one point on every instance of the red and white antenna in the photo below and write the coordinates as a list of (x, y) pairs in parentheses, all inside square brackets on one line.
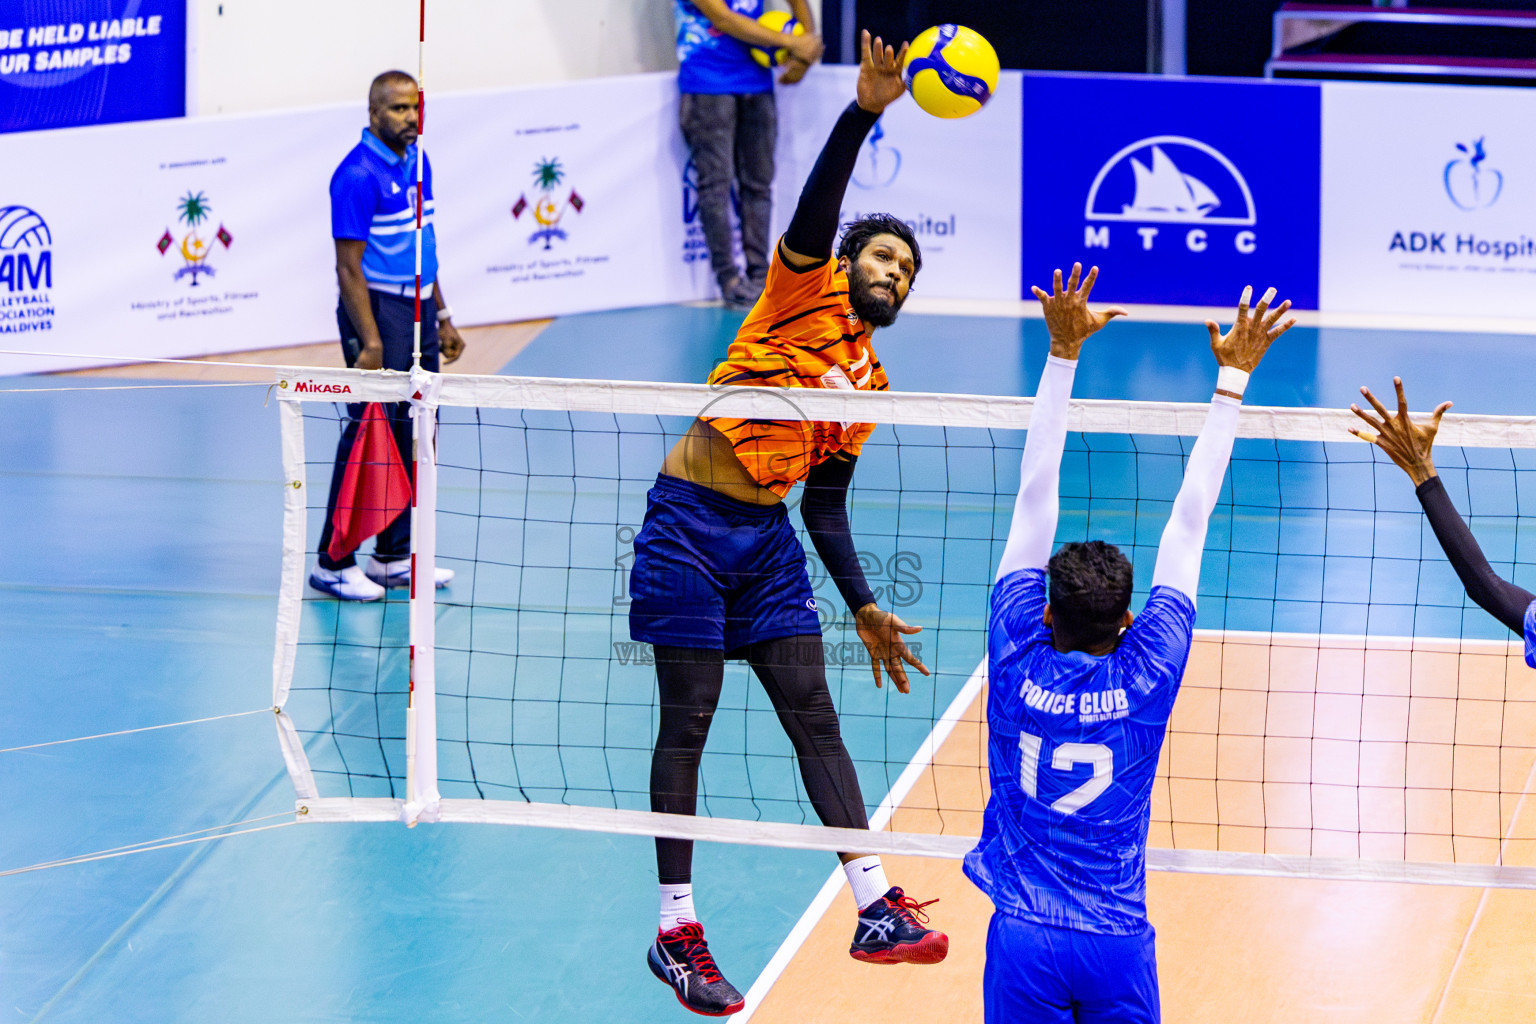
[(421, 160), (421, 639)]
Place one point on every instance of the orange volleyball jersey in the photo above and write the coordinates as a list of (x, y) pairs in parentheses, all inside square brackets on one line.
[(803, 333)]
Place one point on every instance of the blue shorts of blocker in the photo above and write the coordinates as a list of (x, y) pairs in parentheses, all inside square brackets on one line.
[(1036, 974), (713, 572)]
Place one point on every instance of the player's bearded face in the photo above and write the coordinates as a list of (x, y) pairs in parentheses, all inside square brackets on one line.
[(878, 281)]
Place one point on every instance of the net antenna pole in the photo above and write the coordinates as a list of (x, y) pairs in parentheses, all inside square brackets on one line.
[(421, 159), (421, 792)]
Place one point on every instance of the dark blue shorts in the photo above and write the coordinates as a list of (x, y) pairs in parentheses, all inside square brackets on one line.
[(1046, 975), (717, 573)]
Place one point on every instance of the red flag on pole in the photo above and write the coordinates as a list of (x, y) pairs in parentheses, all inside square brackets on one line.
[(375, 487)]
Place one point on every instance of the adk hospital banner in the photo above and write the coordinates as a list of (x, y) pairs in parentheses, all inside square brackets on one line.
[(195, 236)]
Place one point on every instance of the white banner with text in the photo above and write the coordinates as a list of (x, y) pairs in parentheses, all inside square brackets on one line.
[(208, 235), (1429, 200)]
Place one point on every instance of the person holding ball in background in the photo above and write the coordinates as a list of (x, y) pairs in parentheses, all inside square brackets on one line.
[(730, 123)]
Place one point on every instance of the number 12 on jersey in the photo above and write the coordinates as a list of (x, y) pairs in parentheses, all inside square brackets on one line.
[(1067, 757)]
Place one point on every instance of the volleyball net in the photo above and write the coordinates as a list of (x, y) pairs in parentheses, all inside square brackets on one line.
[(1346, 713)]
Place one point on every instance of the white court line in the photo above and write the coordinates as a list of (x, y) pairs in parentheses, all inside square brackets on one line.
[(1482, 903), (882, 817)]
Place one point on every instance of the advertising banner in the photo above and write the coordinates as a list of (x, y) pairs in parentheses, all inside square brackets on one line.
[(212, 235), (1183, 191), (956, 183), (170, 238), (1429, 200), (205, 235), (75, 62)]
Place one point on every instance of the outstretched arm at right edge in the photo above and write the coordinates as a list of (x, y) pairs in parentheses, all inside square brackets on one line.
[(1036, 508), (1409, 445), (1237, 353)]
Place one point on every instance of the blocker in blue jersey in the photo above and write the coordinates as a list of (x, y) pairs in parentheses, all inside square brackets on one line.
[(1079, 697)]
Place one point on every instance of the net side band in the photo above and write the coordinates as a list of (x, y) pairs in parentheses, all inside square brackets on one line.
[(909, 408), (815, 837)]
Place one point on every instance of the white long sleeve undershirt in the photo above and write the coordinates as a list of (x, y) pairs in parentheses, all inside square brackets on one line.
[(1036, 508), (1183, 541)]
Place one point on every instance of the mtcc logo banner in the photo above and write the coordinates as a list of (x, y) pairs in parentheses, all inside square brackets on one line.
[(1182, 192)]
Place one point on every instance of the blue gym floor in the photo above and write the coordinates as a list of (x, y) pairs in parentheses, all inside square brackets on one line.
[(139, 585)]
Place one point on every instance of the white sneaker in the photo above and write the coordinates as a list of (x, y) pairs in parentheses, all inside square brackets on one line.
[(398, 573), (349, 584)]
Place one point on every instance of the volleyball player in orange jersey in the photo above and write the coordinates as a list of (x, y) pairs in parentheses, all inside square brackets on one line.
[(719, 571)]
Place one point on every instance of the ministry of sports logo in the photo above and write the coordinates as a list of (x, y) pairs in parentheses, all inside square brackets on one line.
[(193, 210), (548, 210), (1166, 180), (26, 271)]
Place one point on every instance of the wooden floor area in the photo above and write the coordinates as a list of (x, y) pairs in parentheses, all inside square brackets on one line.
[(1267, 950), (486, 350)]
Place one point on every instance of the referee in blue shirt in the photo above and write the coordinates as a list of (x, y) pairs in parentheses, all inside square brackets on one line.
[(373, 220)]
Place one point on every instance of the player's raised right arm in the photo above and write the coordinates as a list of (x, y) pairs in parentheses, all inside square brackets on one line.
[(813, 229), (1035, 510), (1237, 354)]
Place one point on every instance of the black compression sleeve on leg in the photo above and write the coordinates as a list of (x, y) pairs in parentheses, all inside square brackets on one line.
[(1503, 600), (793, 672), (813, 228), (689, 679), (824, 510)]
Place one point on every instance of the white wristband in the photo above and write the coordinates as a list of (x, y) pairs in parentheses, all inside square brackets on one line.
[(444, 314), (1230, 378)]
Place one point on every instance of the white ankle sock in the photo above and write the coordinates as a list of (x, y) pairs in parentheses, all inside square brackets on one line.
[(867, 880), (676, 905)]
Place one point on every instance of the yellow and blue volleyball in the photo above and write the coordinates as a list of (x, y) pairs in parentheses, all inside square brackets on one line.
[(951, 70), (776, 21)]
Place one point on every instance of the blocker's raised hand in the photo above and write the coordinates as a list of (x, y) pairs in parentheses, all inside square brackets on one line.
[(1406, 443), (1067, 315), (880, 82), (1252, 333)]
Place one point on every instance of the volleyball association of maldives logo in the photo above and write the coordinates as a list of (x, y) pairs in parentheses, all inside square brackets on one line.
[(1171, 180), (26, 251), (26, 271), (548, 206), (193, 211)]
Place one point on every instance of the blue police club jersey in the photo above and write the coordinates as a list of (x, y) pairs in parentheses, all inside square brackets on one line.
[(373, 197), (709, 61), (1073, 751)]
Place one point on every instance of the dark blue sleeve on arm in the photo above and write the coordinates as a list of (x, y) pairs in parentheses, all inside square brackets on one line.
[(813, 228), (824, 509), (1497, 596)]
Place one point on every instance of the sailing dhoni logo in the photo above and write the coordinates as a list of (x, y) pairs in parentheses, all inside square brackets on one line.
[(1171, 179)]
